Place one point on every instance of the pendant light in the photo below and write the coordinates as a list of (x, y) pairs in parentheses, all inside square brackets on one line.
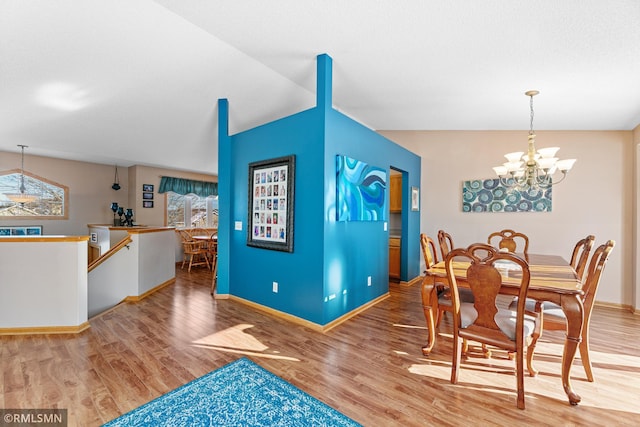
[(116, 183), (22, 196)]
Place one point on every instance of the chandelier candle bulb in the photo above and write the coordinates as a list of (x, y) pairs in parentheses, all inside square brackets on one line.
[(514, 157), (549, 152)]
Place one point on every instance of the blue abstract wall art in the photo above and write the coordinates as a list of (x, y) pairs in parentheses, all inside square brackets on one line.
[(490, 196), (361, 190)]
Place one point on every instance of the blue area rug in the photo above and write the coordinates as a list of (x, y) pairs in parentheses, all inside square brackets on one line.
[(238, 394)]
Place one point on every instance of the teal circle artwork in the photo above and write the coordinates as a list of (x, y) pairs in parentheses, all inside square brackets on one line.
[(491, 195), (513, 197), (496, 207), (499, 193), (490, 184), (473, 185), (468, 196), (485, 196), (479, 207)]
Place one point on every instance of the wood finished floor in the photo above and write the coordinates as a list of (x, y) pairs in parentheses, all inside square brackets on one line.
[(370, 368)]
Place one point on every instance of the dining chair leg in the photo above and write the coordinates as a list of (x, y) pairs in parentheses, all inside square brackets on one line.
[(457, 351), (520, 376), (586, 359), (214, 280)]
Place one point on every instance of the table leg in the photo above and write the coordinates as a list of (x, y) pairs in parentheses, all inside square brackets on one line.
[(574, 312), (428, 292)]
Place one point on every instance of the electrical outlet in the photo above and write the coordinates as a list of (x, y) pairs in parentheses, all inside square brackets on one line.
[(369, 281), (275, 287)]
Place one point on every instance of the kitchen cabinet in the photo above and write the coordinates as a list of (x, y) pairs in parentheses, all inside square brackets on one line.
[(394, 258), (395, 193)]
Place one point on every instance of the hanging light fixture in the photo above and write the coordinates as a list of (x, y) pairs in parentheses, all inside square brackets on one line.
[(533, 171), (116, 182), (22, 197)]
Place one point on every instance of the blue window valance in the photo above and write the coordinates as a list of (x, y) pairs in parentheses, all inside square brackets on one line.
[(188, 186)]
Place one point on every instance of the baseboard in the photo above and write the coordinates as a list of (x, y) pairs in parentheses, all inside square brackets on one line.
[(304, 322), (625, 307), (136, 298), (412, 282), (39, 330)]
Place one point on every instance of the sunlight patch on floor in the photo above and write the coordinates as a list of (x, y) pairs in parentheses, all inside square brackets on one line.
[(398, 325), (233, 337), (236, 340)]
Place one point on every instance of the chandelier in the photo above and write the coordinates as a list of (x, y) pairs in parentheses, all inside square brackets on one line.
[(533, 171), (22, 197)]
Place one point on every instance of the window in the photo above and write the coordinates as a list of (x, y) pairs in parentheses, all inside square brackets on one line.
[(50, 198), (191, 210)]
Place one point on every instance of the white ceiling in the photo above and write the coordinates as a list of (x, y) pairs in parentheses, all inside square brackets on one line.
[(136, 82)]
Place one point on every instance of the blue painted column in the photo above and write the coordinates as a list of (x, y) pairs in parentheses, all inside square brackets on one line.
[(225, 220), (324, 81)]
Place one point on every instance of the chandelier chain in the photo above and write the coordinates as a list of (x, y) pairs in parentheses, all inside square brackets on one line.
[(22, 187), (531, 115)]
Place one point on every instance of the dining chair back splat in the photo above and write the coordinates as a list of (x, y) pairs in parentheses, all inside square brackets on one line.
[(580, 255), (428, 251), (508, 239), (482, 321), (446, 242), (554, 319)]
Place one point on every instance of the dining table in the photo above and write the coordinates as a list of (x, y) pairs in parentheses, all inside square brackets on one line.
[(205, 238), (552, 279)]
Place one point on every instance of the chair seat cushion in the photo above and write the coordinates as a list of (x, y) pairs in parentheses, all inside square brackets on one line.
[(549, 308), (505, 319), (465, 296)]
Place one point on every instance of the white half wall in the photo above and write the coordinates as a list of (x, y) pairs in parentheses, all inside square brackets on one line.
[(43, 282)]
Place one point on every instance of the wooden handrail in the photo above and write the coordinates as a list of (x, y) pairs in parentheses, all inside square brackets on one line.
[(121, 244)]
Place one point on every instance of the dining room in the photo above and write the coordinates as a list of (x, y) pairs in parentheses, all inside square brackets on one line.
[(500, 295), (586, 202)]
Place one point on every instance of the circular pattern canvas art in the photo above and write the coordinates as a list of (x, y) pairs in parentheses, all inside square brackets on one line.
[(490, 195)]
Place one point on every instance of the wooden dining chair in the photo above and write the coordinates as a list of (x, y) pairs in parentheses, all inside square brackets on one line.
[(198, 231), (444, 296), (510, 240), (194, 250), (430, 256), (429, 253), (446, 242), (483, 321), (580, 255), (553, 318)]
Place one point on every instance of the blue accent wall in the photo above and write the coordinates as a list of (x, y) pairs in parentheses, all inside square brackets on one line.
[(325, 277)]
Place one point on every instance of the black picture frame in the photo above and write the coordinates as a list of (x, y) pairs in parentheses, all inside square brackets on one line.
[(147, 203), (147, 187), (270, 212), (147, 196)]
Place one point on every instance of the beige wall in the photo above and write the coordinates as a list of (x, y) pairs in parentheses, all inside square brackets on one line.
[(596, 198), (90, 192)]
